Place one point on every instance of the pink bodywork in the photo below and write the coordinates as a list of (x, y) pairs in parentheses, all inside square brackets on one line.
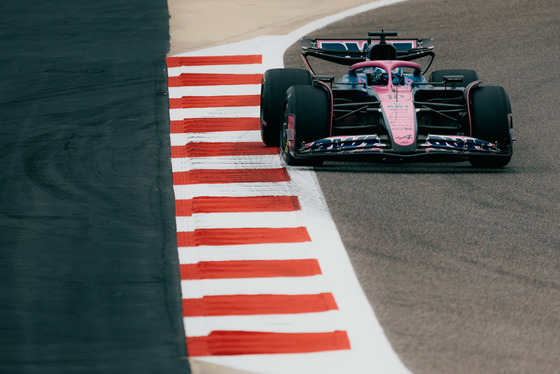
[(396, 101)]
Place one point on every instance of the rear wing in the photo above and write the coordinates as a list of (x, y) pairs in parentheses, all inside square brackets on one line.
[(350, 51)]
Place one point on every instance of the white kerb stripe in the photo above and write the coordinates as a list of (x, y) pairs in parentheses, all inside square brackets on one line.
[(246, 89), (226, 162), (239, 220), (195, 289), (217, 137), (280, 251), (217, 69), (282, 323), (224, 112), (233, 190)]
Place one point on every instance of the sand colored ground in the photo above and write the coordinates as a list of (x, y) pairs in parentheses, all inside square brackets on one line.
[(198, 24)]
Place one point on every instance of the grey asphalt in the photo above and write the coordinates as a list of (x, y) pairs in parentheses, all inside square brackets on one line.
[(89, 279), (462, 265)]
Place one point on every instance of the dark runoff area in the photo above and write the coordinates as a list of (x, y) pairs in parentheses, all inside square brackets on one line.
[(89, 278)]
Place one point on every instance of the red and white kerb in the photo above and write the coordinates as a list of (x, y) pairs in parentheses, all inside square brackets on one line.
[(239, 230), (266, 283)]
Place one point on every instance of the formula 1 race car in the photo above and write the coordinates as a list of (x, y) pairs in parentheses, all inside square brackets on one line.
[(383, 105)]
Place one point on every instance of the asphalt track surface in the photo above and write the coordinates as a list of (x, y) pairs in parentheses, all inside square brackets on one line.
[(462, 265), (89, 276)]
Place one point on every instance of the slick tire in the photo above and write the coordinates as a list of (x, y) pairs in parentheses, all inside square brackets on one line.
[(490, 116), (307, 109), (275, 82)]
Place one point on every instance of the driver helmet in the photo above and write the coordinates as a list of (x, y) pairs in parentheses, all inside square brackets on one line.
[(398, 76), (380, 77)]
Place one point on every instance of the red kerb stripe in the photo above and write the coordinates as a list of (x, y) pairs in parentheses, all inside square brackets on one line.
[(219, 204), (250, 269), (194, 79), (210, 149), (173, 62), (205, 176), (242, 236), (214, 101), (214, 124), (224, 343), (237, 305)]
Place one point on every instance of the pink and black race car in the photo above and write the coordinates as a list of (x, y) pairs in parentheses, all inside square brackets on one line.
[(383, 105)]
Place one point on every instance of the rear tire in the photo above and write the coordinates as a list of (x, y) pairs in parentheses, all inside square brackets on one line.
[(307, 108), (469, 76), (275, 82), (490, 110)]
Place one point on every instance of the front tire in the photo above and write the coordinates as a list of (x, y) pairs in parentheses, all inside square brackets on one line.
[(490, 112), (275, 83), (306, 117)]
